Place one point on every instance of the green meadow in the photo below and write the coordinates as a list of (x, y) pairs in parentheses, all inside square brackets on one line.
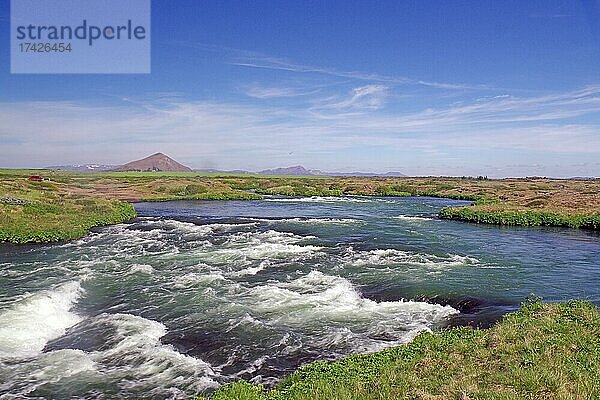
[(66, 205), (37, 212)]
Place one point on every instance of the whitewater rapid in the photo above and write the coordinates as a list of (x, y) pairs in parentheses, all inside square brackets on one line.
[(193, 295), (37, 318)]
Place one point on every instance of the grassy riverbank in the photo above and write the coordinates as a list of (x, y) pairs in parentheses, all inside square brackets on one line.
[(41, 212), (543, 351), (502, 215), (67, 204)]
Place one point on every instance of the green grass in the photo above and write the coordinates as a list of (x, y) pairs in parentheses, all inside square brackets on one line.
[(543, 351), (70, 203), (521, 217), (212, 195), (40, 212)]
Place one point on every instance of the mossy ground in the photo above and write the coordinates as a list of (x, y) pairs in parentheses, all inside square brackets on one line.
[(543, 351), (69, 203), (40, 212), (503, 215)]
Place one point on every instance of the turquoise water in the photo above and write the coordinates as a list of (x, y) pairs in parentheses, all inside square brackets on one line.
[(194, 294)]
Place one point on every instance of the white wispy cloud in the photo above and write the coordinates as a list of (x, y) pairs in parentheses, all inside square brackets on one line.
[(551, 15), (254, 59), (230, 135), (273, 63), (282, 65), (494, 110), (258, 91), (368, 97)]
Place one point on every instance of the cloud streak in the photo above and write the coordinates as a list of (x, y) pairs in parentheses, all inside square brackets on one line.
[(272, 63), (368, 97), (271, 92), (257, 60), (499, 129)]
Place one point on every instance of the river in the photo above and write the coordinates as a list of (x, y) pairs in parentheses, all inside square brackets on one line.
[(193, 294)]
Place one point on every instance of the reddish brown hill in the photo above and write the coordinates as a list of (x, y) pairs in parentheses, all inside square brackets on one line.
[(155, 162)]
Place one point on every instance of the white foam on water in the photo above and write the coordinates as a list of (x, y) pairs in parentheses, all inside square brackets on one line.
[(288, 344), (225, 227), (31, 269), (125, 242), (30, 323), (47, 368), (253, 367), (241, 247), (135, 360), (141, 268), (252, 270), (387, 257), (412, 218), (129, 241), (270, 236), (464, 259), (366, 342), (246, 319), (63, 363), (166, 225), (191, 228), (139, 361), (321, 199), (194, 278), (157, 238), (317, 299), (335, 221)]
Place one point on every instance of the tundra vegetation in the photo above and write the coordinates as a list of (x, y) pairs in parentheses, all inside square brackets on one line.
[(67, 204), (39, 212)]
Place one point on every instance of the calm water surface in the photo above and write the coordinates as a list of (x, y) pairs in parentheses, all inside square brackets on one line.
[(195, 294)]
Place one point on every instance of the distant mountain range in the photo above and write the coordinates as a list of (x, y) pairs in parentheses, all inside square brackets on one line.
[(163, 163), (227, 172), (299, 170)]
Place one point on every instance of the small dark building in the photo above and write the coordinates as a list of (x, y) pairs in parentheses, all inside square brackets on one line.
[(35, 178)]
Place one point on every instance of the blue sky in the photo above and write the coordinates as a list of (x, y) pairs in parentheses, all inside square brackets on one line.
[(508, 88)]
